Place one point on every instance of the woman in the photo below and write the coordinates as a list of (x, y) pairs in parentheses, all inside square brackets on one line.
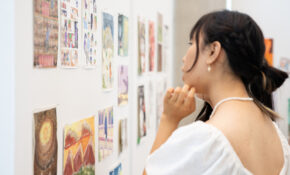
[(235, 132)]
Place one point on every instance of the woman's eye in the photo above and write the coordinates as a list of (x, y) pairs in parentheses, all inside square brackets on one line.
[(190, 43)]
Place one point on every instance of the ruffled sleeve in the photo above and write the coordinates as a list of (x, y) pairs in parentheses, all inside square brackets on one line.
[(194, 149)]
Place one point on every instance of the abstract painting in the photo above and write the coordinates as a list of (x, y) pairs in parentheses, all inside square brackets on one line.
[(123, 139), (117, 170), (45, 142), (151, 45), (141, 47)]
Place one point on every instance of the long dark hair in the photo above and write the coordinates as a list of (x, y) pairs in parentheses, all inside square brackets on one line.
[(243, 42)]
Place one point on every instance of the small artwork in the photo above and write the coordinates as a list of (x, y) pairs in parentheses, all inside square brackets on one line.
[(151, 101), (89, 32), (107, 51), (141, 116), (123, 35), (159, 27), (151, 45), (45, 32), (69, 33), (123, 139), (117, 170), (123, 85), (45, 142), (269, 51), (141, 47), (284, 64), (106, 126), (79, 148), (159, 58)]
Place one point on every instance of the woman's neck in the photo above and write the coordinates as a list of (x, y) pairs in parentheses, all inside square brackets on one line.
[(224, 89)]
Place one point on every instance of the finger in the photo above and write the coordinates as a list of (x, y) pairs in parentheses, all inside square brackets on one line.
[(175, 94), (190, 98), (168, 94), (183, 94)]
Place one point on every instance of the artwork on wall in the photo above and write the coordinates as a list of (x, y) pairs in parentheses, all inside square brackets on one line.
[(123, 35), (45, 29), (45, 142), (151, 45), (269, 51), (117, 170), (159, 27), (89, 32), (141, 47), (123, 85), (107, 51), (79, 147), (106, 129), (284, 64), (150, 99), (159, 58), (123, 139), (69, 33), (166, 51), (141, 116)]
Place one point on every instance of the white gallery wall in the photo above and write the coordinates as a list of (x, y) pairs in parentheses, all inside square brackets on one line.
[(272, 17), (77, 93)]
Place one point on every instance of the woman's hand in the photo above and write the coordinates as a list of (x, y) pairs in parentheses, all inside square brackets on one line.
[(178, 103)]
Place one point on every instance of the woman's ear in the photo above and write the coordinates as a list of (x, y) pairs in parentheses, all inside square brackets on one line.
[(214, 52)]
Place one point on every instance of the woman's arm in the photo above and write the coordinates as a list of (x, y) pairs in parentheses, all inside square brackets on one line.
[(178, 104)]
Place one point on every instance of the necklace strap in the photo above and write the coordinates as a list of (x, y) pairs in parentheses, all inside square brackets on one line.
[(229, 99)]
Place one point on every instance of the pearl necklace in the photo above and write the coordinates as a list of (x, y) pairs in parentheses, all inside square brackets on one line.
[(229, 99)]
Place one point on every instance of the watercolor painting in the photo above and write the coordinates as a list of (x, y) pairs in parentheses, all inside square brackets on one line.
[(45, 142), (123, 85), (141, 116), (123, 139), (106, 131), (141, 47), (123, 35), (107, 51), (269, 51), (45, 32), (117, 170), (79, 147), (151, 45)]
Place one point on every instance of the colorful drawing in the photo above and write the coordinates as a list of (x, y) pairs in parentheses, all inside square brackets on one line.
[(106, 129), (45, 29), (141, 47), (142, 127), (151, 45), (123, 85), (117, 170), (45, 142), (269, 51), (159, 27), (284, 64), (89, 25), (123, 139), (159, 59), (107, 51), (69, 33), (123, 36), (79, 148)]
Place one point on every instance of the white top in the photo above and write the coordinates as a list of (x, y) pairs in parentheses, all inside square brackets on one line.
[(202, 149)]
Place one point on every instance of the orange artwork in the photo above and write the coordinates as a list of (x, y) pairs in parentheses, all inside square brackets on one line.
[(79, 147), (269, 51)]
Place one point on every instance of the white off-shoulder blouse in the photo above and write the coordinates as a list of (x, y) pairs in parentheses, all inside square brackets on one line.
[(202, 149)]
